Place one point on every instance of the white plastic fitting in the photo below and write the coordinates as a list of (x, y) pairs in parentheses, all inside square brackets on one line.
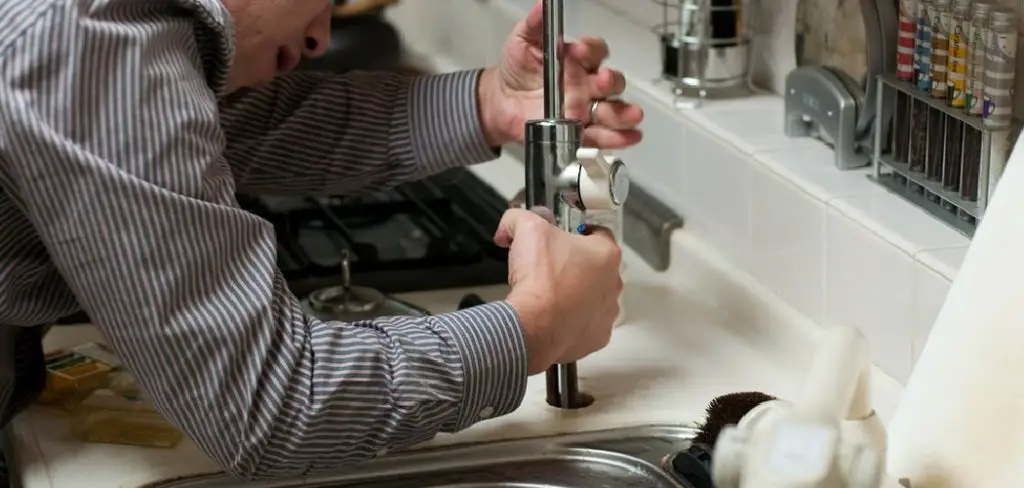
[(829, 438), (603, 180), (602, 188)]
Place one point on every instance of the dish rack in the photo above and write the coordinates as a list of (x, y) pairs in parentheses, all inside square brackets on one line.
[(706, 48)]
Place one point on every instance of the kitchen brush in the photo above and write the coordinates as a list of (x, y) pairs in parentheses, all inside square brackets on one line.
[(694, 464)]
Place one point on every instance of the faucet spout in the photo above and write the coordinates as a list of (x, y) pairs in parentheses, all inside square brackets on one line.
[(554, 81), (551, 145), (566, 178)]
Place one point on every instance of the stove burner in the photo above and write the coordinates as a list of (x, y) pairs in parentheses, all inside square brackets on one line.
[(432, 234)]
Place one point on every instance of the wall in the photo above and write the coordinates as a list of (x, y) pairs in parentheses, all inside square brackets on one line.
[(834, 246), (775, 33)]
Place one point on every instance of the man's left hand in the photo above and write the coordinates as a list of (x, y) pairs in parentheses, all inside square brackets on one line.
[(513, 92)]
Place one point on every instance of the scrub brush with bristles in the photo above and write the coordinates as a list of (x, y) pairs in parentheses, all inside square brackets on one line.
[(694, 464), (727, 410)]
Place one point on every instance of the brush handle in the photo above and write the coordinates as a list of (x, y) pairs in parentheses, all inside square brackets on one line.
[(694, 466)]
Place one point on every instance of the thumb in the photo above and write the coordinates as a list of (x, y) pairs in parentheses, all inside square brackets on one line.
[(531, 29), (511, 221), (597, 230)]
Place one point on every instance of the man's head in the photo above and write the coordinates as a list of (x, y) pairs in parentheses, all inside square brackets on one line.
[(272, 36)]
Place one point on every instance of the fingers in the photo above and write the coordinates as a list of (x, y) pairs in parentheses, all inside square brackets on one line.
[(515, 219), (611, 250), (546, 214), (607, 138), (591, 52), (605, 234), (595, 230), (616, 114), (531, 29), (510, 221), (607, 83)]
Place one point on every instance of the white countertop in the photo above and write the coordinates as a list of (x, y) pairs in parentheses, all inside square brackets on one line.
[(678, 348)]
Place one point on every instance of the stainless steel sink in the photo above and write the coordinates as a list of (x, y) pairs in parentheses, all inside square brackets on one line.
[(620, 458)]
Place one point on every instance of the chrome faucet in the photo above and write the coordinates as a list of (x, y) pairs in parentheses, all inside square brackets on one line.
[(565, 178)]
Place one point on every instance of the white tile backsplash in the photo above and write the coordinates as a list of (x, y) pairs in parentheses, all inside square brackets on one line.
[(869, 284), (899, 222), (774, 51), (747, 117), (663, 136), (786, 250), (944, 261), (717, 188), (809, 167), (836, 247), (930, 290)]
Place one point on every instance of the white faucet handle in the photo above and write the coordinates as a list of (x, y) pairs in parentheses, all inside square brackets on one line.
[(603, 180)]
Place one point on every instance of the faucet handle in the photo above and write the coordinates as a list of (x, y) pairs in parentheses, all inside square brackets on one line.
[(603, 180)]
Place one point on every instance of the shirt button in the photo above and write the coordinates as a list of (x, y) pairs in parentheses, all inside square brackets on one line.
[(486, 412)]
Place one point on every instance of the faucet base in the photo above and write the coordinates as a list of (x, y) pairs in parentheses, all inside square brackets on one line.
[(563, 389), (551, 146)]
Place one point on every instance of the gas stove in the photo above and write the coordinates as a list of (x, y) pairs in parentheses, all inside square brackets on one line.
[(426, 235)]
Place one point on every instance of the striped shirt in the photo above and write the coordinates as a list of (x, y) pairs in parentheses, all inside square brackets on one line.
[(120, 157)]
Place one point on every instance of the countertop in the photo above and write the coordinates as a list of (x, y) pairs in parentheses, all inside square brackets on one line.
[(678, 348)]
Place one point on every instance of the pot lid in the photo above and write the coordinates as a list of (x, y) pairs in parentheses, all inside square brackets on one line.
[(349, 303)]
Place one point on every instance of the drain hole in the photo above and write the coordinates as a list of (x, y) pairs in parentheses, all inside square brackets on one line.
[(693, 466), (563, 388), (577, 401)]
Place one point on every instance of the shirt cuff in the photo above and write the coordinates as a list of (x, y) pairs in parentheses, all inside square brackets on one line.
[(445, 121), (490, 342)]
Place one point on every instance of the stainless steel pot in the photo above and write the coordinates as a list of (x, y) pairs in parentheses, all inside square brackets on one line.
[(347, 303)]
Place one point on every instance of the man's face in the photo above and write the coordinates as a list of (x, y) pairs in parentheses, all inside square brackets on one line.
[(272, 36)]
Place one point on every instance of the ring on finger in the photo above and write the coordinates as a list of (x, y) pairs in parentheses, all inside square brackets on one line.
[(593, 110)]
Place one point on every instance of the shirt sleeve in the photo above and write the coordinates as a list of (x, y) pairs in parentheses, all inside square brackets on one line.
[(323, 133), (112, 148)]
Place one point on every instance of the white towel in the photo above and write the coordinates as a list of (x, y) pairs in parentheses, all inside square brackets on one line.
[(960, 423)]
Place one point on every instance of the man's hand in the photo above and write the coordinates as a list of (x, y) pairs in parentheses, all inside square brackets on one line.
[(513, 92), (564, 286)]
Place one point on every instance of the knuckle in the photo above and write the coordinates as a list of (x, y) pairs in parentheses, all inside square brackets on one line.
[(534, 223), (606, 337), (613, 255)]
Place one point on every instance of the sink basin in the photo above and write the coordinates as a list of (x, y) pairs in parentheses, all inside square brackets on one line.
[(632, 457)]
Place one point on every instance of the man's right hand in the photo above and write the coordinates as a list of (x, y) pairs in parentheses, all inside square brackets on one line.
[(564, 286)]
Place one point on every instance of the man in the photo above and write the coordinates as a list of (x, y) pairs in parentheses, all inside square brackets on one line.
[(126, 127)]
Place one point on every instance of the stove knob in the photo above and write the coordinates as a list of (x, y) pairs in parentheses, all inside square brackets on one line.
[(603, 180)]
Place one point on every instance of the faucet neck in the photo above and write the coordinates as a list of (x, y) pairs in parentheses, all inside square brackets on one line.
[(554, 105)]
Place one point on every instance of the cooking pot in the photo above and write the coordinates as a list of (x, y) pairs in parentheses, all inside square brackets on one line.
[(347, 303)]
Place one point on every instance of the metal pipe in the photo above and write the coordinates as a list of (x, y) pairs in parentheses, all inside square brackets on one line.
[(554, 105), (551, 145)]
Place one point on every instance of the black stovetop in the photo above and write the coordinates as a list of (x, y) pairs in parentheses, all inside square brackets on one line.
[(426, 235)]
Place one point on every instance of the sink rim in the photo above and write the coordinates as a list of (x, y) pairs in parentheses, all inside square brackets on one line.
[(411, 461)]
